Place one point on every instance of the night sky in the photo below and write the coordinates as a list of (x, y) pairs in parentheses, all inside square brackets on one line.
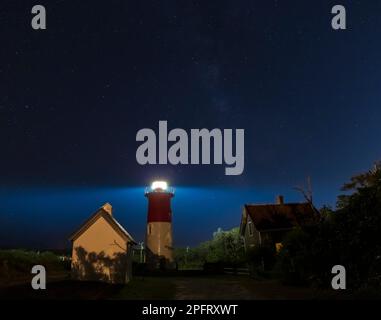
[(73, 97)]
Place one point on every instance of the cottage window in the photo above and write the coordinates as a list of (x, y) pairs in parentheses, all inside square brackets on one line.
[(251, 231)]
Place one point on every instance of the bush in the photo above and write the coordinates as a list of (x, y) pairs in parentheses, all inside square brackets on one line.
[(261, 258), (14, 263)]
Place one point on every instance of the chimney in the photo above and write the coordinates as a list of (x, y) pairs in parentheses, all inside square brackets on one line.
[(108, 208), (279, 199)]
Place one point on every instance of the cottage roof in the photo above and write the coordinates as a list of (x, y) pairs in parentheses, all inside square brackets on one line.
[(106, 212), (279, 216)]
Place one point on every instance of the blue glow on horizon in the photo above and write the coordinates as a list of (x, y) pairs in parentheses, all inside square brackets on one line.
[(45, 217)]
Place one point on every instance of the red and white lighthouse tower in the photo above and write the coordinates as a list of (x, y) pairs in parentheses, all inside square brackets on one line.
[(159, 241)]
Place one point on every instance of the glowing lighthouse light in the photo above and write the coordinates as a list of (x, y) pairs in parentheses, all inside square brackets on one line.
[(162, 185)]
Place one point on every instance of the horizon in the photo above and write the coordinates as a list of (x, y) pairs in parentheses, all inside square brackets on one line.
[(130, 209)]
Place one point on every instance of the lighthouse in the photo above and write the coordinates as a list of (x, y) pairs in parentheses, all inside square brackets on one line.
[(159, 249)]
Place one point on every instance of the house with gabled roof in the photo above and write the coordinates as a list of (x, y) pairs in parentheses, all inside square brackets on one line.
[(102, 249), (268, 224)]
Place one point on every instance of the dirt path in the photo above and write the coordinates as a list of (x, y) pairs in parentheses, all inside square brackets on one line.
[(238, 288), (211, 288)]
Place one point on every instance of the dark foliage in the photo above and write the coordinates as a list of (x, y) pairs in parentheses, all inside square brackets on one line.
[(261, 258), (348, 236), (224, 248)]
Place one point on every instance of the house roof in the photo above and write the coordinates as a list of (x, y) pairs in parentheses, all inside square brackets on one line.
[(279, 216), (106, 212)]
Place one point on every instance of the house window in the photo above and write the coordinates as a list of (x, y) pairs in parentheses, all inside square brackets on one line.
[(149, 228), (251, 230)]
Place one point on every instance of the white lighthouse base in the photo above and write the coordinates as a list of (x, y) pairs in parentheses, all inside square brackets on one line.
[(159, 245)]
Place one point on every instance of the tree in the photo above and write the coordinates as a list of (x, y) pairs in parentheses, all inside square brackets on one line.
[(358, 221), (225, 247), (348, 236)]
